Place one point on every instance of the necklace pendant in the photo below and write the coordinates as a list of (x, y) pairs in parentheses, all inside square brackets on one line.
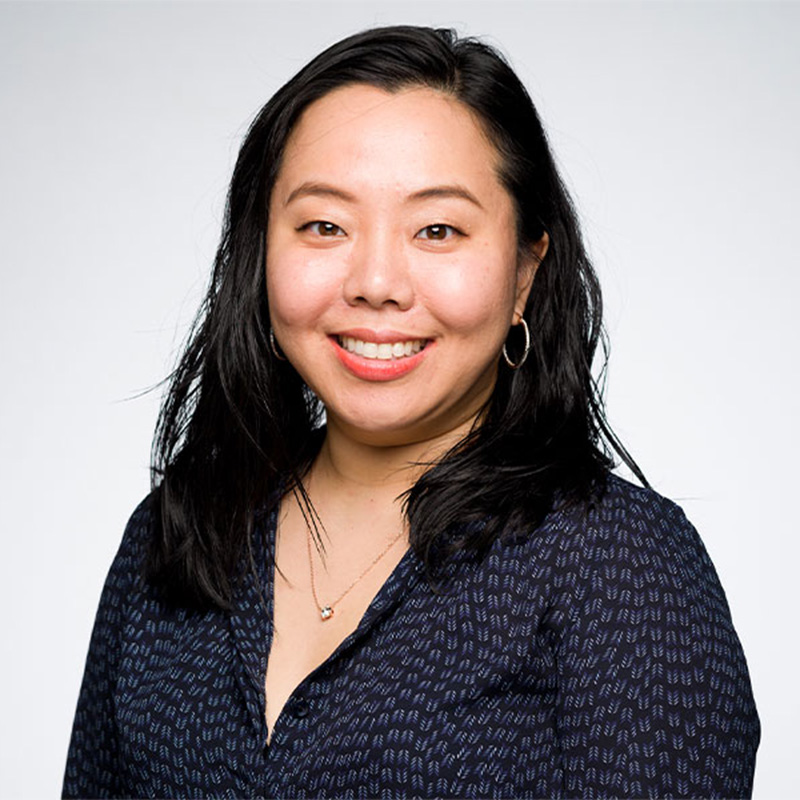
[(326, 613)]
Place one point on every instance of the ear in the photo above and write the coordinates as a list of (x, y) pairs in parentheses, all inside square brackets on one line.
[(526, 271)]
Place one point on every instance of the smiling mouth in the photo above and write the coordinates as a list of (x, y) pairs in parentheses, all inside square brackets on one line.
[(383, 351)]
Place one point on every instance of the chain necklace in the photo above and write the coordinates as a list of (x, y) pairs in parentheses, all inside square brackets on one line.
[(326, 611)]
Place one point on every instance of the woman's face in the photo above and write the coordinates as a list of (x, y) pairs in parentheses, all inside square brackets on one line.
[(392, 264)]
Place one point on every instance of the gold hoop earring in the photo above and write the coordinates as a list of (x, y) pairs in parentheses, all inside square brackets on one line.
[(525, 352), (273, 345)]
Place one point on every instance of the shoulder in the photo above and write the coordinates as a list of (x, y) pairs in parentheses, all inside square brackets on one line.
[(646, 532), (128, 565), (141, 525), (624, 522), (629, 544), (624, 506)]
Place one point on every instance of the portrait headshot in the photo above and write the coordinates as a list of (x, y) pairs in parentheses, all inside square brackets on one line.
[(400, 399)]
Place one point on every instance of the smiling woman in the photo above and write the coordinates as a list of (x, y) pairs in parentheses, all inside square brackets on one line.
[(442, 590), (390, 230)]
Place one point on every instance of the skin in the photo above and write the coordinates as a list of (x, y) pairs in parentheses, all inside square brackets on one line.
[(387, 222)]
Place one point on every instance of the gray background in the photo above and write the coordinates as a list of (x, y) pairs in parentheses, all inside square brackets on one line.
[(677, 128)]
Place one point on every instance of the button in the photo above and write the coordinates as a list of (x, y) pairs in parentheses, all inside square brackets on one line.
[(300, 709)]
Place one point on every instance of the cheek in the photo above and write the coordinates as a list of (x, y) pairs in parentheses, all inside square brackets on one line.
[(299, 287), (474, 295)]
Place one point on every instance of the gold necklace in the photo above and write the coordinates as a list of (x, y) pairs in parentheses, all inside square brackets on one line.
[(326, 611)]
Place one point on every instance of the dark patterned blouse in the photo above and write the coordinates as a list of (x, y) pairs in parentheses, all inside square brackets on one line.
[(594, 657)]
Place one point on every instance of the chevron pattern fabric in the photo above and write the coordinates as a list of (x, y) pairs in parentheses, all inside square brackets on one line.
[(591, 657)]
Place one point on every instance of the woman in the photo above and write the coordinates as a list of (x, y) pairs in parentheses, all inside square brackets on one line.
[(442, 590)]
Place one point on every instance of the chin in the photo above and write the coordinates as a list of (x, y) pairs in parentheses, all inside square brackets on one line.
[(381, 431)]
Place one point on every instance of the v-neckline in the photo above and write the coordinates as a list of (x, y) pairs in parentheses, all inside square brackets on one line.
[(252, 618)]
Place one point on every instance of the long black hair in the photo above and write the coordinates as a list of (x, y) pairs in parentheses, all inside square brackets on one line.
[(237, 423)]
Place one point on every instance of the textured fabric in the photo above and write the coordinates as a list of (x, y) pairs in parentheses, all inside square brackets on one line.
[(591, 657)]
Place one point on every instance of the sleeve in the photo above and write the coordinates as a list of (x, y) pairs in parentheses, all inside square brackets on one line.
[(91, 769), (654, 697)]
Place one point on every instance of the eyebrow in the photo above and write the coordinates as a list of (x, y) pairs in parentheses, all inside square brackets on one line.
[(448, 190), (315, 189)]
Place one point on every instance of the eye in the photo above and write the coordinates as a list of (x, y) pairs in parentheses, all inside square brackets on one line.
[(438, 232), (321, 227)]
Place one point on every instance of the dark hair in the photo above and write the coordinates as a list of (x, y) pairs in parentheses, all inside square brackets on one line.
[(237, 425)]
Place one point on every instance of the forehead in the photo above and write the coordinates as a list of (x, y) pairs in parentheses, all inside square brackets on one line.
[(412, 136)]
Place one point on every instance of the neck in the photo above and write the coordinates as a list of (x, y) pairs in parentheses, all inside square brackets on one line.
[(357, 467)]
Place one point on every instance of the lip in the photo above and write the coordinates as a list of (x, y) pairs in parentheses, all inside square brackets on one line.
[(379, 337), (374, 369)]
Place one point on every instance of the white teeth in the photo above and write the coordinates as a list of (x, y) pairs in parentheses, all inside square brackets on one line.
[(385, 351)]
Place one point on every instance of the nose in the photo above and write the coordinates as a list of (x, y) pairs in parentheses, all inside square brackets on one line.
[(378, 273)]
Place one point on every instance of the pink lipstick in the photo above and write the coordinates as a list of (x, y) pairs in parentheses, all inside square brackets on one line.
[(379, 355)]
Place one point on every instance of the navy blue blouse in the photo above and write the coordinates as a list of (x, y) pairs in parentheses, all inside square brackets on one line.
[(591, 657)]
